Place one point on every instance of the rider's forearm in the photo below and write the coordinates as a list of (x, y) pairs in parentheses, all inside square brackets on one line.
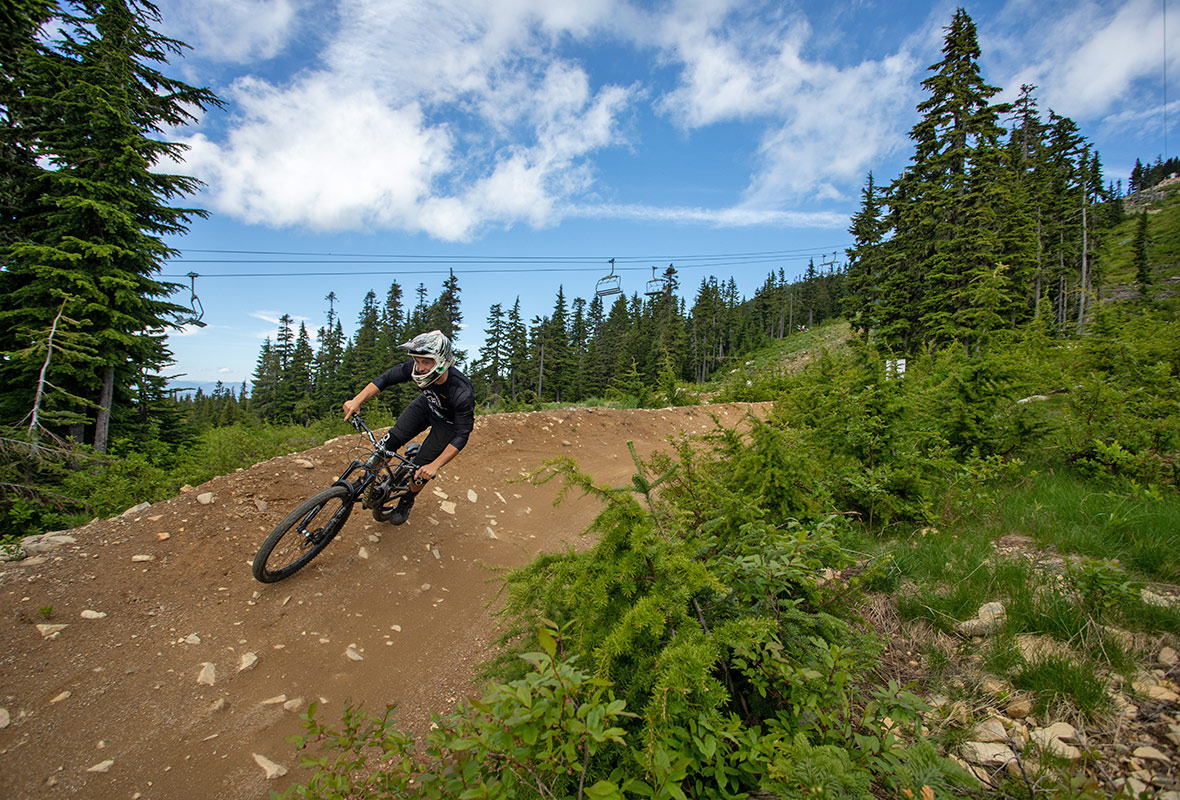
[(365, 394), (449, 452)]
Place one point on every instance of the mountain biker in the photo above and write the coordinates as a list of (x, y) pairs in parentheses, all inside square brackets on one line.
[(445, 405)]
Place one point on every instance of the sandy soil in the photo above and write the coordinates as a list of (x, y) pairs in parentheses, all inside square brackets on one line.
[(412, 602)]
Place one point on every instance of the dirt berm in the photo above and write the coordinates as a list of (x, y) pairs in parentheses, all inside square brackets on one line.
[(148, 690)]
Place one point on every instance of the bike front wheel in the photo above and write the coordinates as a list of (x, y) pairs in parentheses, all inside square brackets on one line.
[(302, 534)]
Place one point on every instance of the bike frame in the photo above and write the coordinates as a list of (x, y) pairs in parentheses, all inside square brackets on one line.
[(355, 488)]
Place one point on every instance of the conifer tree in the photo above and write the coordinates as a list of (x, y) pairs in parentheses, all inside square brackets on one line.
[(868, 231), (493, 355), (327, 380), (364, 359), (267, 373), (297, 380), (518, 354), (937, 204), (1139, 249), (100, 108)]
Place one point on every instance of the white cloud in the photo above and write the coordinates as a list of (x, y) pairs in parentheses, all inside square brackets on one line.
[(824, 126), (237, 31), (1091, 57), (439, 117)]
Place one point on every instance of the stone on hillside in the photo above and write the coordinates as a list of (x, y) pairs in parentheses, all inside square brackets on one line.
[(472, 496), (185, 489), (1149, 753), (274, 701), (208, 674), (273, 770), (987, 753), (92, 614), (144, 506), (102, 766), (1018, 708), (303, 462), (1050, 739), (1133, 786), (354, 655), (1168, 657), (139, 558), (45, 543), (294, 704), (363, 552), (448, 506), (975, 627), (1125, 639), (990, 731), (205, 498), (5, 718), (63, 696), (50, 631), (163, 536), (989, 617), (192, 638), (248, 661)]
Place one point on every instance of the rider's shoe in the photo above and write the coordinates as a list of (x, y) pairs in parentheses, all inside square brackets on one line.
[(402, 512)]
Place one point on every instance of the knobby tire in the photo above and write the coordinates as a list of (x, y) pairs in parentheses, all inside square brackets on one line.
[(287, 550)]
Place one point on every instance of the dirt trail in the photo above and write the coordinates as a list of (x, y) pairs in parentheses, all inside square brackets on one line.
[(411, 602)]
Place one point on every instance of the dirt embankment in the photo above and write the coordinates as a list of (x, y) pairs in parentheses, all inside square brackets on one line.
[(174, 667)]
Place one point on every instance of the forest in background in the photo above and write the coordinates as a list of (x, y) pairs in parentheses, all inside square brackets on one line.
[(1002, 219)]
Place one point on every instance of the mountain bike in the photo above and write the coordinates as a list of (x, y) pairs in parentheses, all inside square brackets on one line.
[(315, 522)]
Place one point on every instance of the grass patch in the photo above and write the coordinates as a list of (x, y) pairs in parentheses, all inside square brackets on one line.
[(1072, 515), (1060, 685)]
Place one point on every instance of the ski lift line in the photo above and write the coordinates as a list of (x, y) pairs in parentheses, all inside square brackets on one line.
[(521, 259), (524, 270)]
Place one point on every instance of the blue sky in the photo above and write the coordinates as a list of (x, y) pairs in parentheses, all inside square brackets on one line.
[(525, 142)]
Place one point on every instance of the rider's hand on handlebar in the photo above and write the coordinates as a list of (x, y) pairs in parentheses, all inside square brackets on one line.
[(424, 473), (350, 407)]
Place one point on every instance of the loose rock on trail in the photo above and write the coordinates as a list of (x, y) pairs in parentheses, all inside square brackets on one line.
[(139, 658)]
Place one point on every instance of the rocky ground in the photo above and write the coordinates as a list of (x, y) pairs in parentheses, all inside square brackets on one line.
[(1131, 751), (139, 658)]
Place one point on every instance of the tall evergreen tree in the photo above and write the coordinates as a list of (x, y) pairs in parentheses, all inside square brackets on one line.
[(101, 109), (517, 351), (868, 231), (493, 354), (937, 206), (1139, 249), (327, 378)]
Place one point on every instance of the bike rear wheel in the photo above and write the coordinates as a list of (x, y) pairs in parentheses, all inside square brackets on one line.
[(302, 534)]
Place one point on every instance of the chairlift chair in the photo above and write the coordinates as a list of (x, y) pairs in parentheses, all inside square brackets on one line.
[(610, 284), (195, 302), (656, 286)]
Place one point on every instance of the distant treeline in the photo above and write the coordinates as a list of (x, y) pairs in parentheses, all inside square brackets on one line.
[(581, 349), (1145, 176)]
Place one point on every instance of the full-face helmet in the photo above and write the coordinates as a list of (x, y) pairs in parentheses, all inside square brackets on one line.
[(434, 346)]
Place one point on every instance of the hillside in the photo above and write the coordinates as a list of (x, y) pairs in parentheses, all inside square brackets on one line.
[(112, 706)]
